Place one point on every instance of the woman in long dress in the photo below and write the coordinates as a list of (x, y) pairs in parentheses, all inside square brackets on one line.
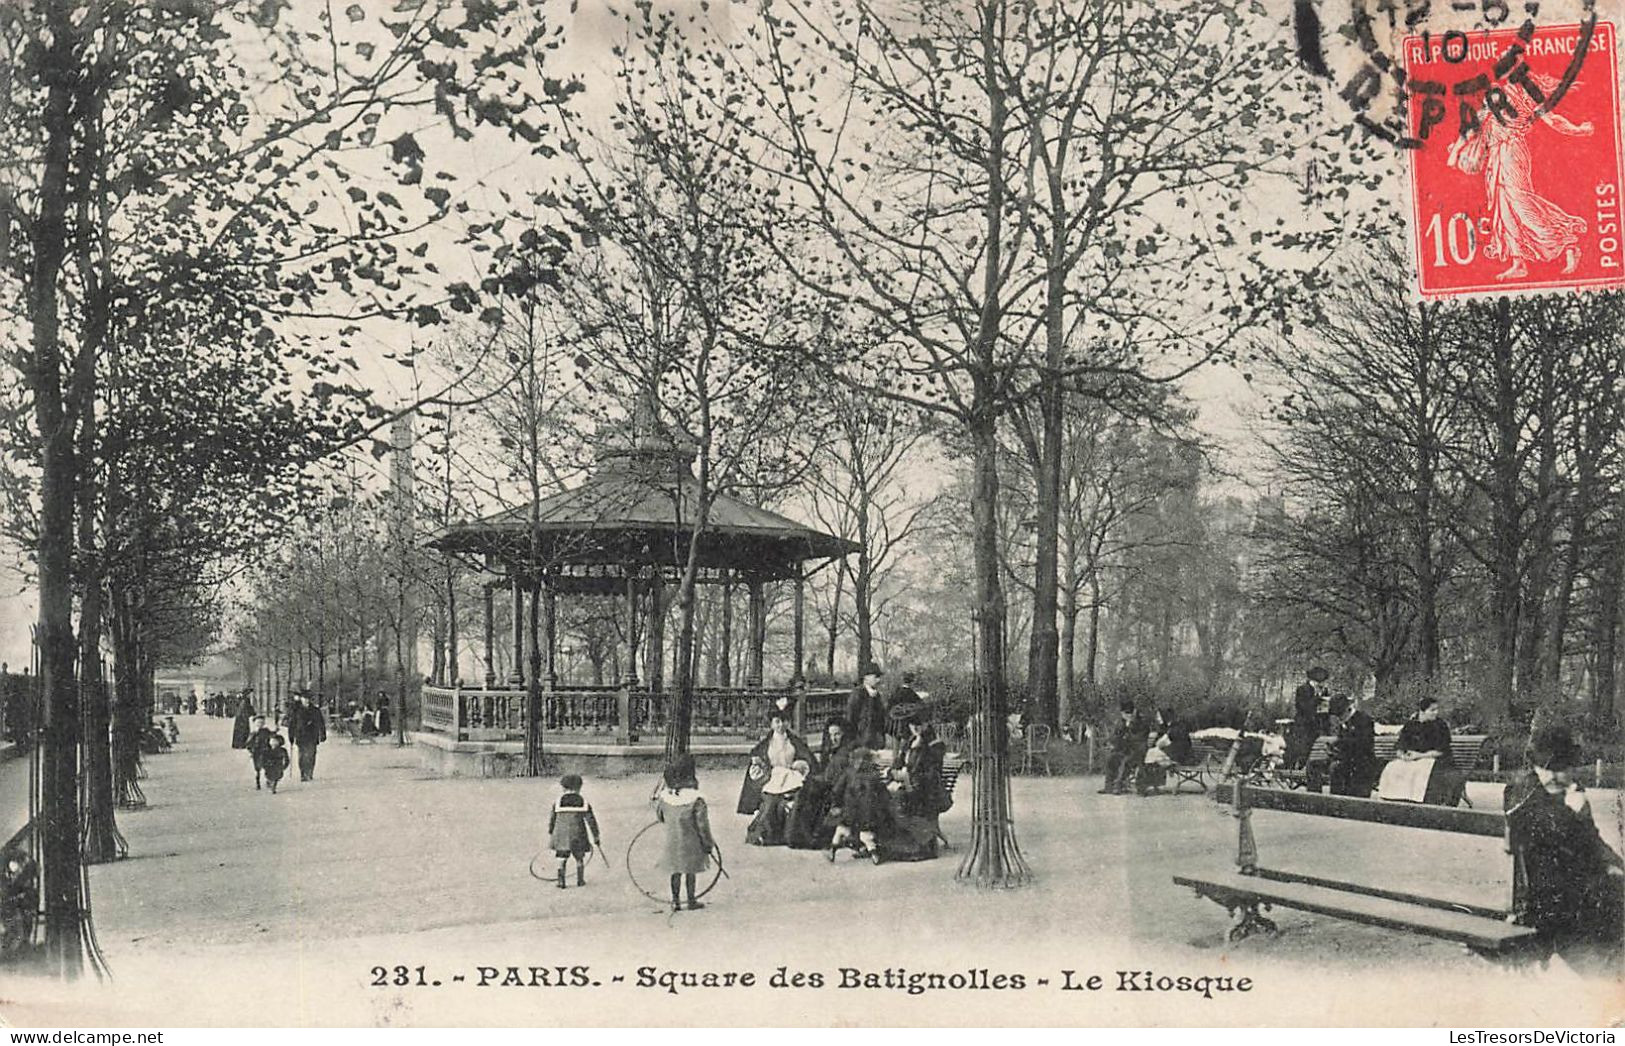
[(1423, 770), (779, 764), (1524, 225), (240, 726)]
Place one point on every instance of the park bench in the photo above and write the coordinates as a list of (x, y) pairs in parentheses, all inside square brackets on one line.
[(1465, 752), (352, 729), (1207, 762), (1243, 892), (953, 763)]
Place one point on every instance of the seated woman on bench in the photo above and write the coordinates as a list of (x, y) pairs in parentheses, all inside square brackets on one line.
[(1422, 770), (779, 764), (1172, 748)]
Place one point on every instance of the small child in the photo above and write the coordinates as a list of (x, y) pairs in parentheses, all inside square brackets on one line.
[(678, 805), (258, 741), (275, 761), (863, 807), (572, 830)]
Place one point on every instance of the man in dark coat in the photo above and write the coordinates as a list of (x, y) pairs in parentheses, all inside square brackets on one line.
[(1127, 741), (384, 722), (1354, 766), (307, 728), (866, 710), (1574, 895), (1306, 722)]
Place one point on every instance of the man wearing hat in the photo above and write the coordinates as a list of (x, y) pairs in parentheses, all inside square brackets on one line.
[(866, 710), (905, 703), (1129, 739), (1300, 737), (1354, 768), (1574, 894)]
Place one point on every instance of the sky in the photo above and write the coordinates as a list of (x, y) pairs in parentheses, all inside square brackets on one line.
[(1228, 404)]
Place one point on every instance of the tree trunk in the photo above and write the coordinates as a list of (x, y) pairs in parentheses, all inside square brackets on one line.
[(1427, 579), (1504, 516), (535, 713), (1607, 698), (1044, 641), (59, 788), (127, 721), (725, 657), (1540, 539), (1067, 669), (993, 857)]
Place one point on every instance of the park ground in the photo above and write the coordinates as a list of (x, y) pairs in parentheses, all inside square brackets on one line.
[(237, 907)]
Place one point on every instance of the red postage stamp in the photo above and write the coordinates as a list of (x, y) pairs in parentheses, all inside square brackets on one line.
[(1516, 183)]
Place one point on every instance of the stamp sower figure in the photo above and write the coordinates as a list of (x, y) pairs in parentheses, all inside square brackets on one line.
[(679, 806), (1524, 225), (275, 761), (1575, 896), (572, 830), (258, 741), (866, 710)]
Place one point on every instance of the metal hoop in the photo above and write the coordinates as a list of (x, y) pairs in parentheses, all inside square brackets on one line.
[(660, 899), (548, 878)]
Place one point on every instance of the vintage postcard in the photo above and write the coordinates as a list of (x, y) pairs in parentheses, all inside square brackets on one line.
[(812, 513)]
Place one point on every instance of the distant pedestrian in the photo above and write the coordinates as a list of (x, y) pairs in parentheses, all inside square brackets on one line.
[(307, 729), (385, 723), (678, 805), (240, 727), (572, 830), (259, 741), (275, 762)]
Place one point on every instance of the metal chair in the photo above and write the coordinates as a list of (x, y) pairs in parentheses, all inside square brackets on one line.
[(1037, 748)]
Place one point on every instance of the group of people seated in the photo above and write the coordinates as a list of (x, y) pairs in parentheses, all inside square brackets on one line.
[(371, 719), (159, 736), (838, 797), (1141, 750)]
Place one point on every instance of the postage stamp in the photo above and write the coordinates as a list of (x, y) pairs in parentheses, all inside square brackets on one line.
[(1516, 176)]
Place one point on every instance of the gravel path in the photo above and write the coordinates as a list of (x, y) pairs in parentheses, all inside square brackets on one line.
[(240, 907)]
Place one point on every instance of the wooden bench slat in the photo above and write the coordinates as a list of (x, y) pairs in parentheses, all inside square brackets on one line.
[(1472, 930), (1381, 811), (1374, 891)]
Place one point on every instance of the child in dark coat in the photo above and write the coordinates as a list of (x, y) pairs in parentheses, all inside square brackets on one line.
[(572, 830), (275, 761), (864, 807), (259, 739)]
